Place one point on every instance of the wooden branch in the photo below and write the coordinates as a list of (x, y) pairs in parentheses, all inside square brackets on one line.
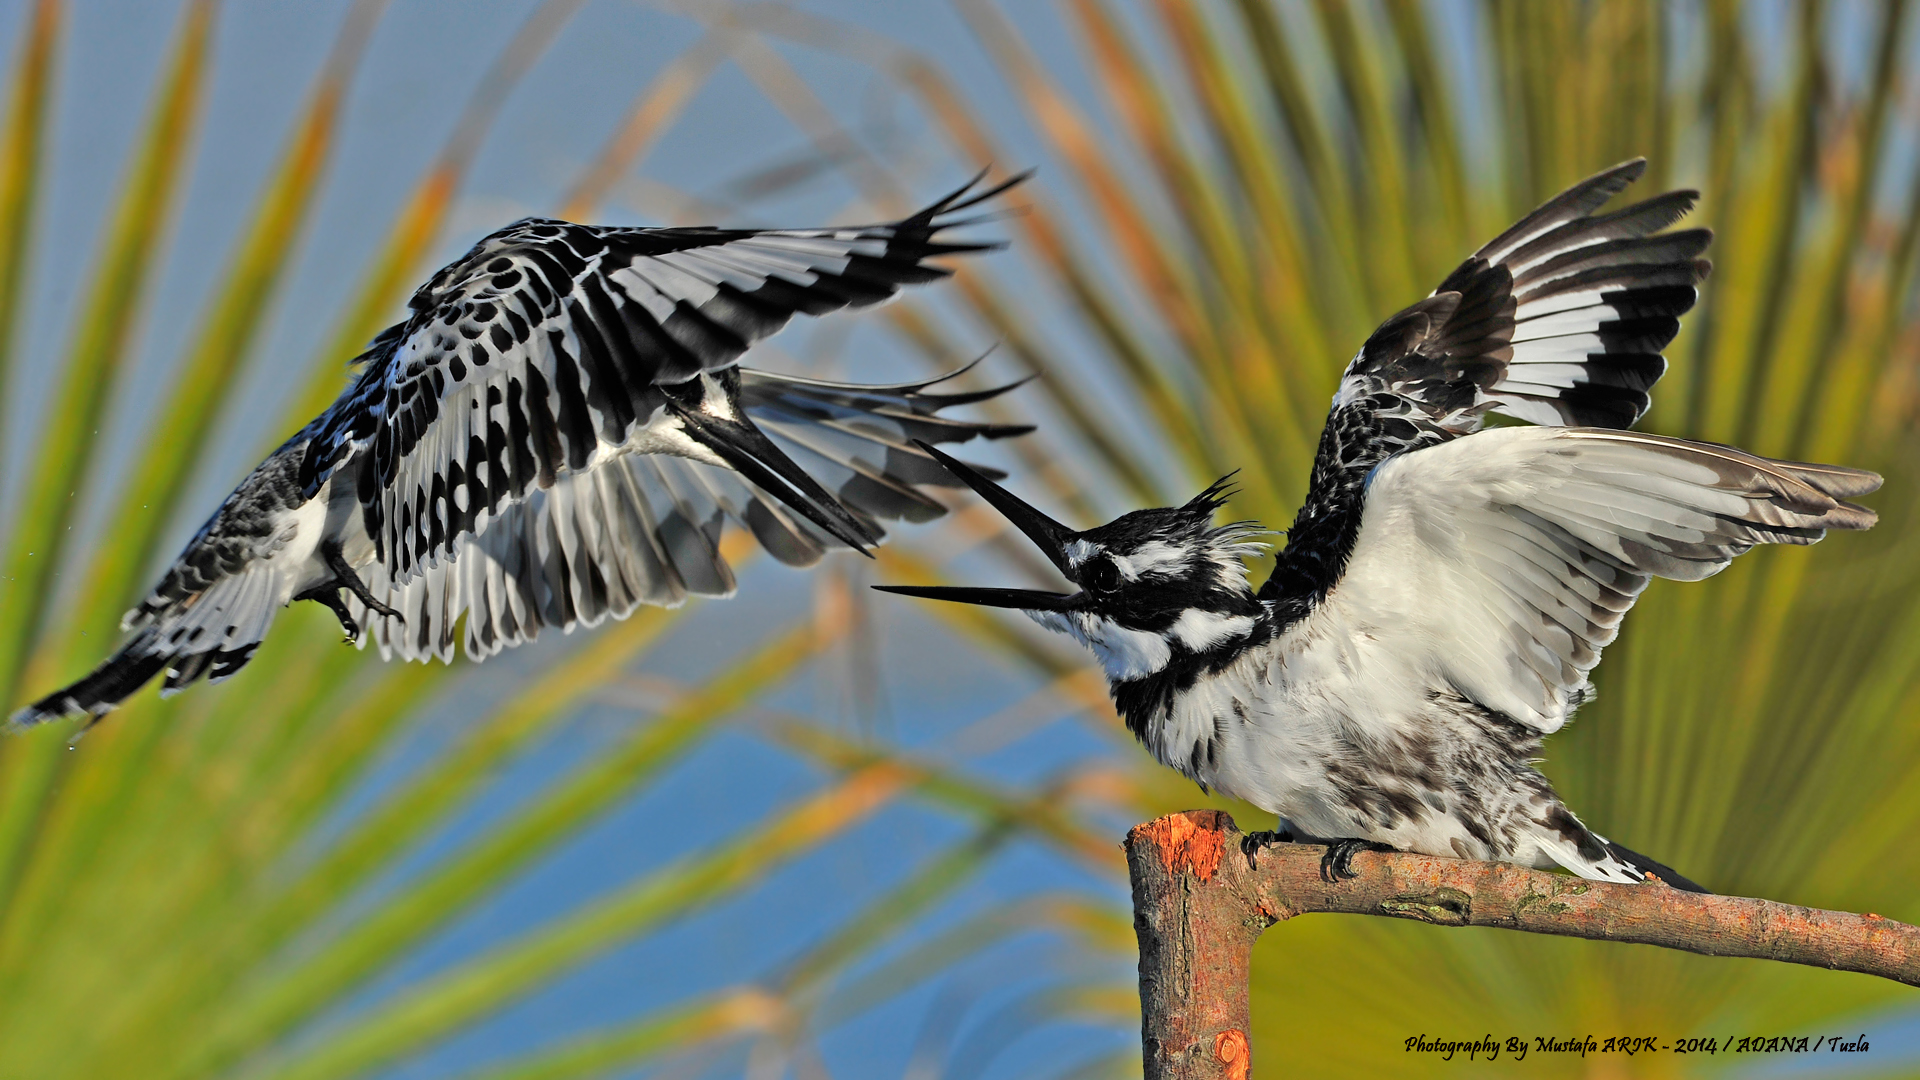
[(1199, 904)]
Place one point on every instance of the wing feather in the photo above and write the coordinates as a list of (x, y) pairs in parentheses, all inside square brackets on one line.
[(1558, 321), (636, 528), (562, 340), (1507, 561)]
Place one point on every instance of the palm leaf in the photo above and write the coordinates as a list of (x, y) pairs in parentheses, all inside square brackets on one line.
[(100, 344), (20, 174)]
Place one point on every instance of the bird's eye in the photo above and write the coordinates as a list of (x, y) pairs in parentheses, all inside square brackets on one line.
[(1100, 576)]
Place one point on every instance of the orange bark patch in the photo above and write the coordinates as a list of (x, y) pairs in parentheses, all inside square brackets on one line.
[(1188, 841), (1230, 1046)]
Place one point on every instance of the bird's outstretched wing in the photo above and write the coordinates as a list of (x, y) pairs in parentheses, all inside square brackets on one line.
[(645, 528), (213, 606), (1560, 320), (551, 347), (1506, 561)]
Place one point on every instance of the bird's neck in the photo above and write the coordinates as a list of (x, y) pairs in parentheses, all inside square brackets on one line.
[(1359, 436), (1200, 644), (1356, 440)]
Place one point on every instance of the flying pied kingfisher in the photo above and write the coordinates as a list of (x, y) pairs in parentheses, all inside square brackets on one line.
[(1447, 588), (557, 433)]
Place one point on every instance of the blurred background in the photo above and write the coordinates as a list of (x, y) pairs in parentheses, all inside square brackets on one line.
[(813, 831)]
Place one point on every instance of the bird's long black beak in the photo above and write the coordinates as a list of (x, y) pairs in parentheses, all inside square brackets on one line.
[(1021, 599), (1047, 534), (745, 447)]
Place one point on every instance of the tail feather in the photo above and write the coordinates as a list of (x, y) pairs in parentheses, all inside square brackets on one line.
[(132, 666), (860, 440), (1560, 837), (1654, 868), (209, 635)]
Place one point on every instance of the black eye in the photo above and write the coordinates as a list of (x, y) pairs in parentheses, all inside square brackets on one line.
[(1100, 576)]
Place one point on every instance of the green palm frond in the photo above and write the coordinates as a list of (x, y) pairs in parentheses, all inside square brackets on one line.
[(101, 339), (20, 174)]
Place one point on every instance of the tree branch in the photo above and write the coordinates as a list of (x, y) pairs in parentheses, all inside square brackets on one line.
[(1200, 902)]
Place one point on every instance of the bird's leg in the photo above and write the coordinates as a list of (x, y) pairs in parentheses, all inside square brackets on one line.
[(1337, 863), (93, 721), (329, 597), (345, 578)]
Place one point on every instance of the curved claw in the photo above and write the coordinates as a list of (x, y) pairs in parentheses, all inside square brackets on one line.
[(345, 578), (328, 596), (1251, 843), (1337, 864)]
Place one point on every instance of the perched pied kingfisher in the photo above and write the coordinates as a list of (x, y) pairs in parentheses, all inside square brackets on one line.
[(557, 433), (1446, 590)]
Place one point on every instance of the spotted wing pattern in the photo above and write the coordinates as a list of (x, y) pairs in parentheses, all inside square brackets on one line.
[(212, 607), (645, 528), (552, 437), (551, 346)]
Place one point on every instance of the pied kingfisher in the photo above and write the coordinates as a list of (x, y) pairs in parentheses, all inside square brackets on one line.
[(1446, 590), (556, 434)]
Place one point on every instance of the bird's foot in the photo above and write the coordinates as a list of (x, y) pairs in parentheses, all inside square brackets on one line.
[(1251, 843), (1337, 864), (328, 596), (345, 578)]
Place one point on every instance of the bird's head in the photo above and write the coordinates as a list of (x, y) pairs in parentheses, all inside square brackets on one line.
[(1155, 586)]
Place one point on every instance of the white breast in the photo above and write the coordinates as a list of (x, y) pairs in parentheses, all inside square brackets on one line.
[(1336, 681), (295, 555)]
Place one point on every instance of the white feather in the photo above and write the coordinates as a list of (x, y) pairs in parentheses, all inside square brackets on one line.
[(1155, 557), (1571, 321), (1202, 630), (1124, 653)]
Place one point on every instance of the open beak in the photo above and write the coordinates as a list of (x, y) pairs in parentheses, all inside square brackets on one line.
[(1048, 535)]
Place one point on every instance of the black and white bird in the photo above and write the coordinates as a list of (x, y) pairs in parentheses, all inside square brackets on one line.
[(557, 433), (1447, 588)]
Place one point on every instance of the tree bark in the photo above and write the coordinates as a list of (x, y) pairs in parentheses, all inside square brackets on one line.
[(1200, 902)]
